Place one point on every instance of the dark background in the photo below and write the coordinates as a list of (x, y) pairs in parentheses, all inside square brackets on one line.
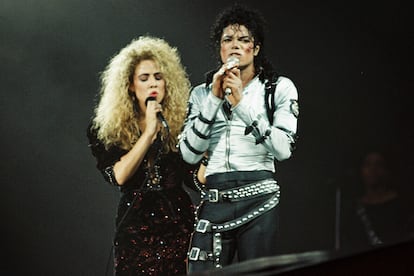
[(351, 62)]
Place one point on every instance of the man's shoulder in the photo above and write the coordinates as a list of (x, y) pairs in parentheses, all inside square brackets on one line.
[(200, 89), (286, 86), (285, 81)]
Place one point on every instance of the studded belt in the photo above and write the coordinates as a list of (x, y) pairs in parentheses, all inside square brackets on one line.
[(248, 191), (204, 225)]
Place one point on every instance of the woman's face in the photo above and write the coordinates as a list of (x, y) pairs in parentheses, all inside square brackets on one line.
[(237, 41), (374, 170), (147, 82)]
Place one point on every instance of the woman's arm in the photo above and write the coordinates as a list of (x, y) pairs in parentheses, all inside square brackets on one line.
[(129, 163)]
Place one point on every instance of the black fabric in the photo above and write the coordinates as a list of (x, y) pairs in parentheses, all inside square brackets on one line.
[(391, 221), (270, 90), (230, 179), (255, 239), (153, 227)]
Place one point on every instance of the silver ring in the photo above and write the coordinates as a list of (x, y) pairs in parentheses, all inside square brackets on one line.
[(227, 91)]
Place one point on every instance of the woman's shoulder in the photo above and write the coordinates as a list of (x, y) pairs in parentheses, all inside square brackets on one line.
[(91, 132), (97, 147)]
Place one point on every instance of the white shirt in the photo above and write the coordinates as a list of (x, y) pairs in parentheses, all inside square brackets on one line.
[(225, 142)]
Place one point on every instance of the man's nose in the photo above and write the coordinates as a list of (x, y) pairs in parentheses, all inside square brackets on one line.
[(235, 44)]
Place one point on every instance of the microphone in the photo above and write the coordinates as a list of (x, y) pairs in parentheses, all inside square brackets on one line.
[(159, 114), (231, 62)]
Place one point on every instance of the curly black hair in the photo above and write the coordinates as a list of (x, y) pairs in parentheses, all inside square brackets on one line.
[(253, 21)]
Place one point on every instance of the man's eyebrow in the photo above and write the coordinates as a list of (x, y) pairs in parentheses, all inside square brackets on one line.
[(232, 35)]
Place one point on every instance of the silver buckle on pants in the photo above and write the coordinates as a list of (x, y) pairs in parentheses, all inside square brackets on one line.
[(213, 195), (202, 225), (194, 253)]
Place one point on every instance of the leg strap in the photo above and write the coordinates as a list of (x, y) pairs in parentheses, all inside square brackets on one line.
[(197, 254)]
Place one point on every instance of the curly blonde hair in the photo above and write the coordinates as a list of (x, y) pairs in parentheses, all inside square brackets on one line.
[(115, 119)]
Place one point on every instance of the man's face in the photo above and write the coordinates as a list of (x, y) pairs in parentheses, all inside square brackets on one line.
[(237, 41)]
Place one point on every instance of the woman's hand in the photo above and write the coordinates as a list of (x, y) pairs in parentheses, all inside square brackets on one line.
[(152, 124)]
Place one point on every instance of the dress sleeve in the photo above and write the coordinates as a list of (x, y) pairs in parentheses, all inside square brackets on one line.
[(105, 158)]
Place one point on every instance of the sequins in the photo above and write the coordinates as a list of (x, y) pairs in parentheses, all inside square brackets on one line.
[(153, 176), (152, 240)]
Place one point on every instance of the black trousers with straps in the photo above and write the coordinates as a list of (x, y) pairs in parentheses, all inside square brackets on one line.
[(255, 239)]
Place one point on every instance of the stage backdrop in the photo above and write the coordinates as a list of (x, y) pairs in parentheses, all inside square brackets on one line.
[(350, 61)]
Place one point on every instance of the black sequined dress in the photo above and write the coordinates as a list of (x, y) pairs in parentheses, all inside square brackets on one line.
[(155, 219)]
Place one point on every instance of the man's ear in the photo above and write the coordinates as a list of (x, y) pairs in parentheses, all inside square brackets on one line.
[(256, 50)]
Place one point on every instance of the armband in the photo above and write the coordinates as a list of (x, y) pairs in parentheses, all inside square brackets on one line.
[(264, 136)]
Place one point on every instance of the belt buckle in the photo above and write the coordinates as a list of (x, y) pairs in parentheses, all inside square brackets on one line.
[(202, 225), (194, 253), (213, 195)]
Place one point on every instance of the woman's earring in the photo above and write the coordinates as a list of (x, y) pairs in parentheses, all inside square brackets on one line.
[(135, 105)]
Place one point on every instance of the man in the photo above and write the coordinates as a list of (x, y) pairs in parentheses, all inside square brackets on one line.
[(242, 118)]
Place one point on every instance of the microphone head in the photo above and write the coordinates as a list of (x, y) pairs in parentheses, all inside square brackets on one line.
[(159, 114), (149, 99), (232, 61)]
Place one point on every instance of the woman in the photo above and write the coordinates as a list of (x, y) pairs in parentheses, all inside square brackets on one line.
[(380, 214), (137, 153)]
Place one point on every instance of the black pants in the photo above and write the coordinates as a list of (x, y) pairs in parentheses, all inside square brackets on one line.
[(254, 239)]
